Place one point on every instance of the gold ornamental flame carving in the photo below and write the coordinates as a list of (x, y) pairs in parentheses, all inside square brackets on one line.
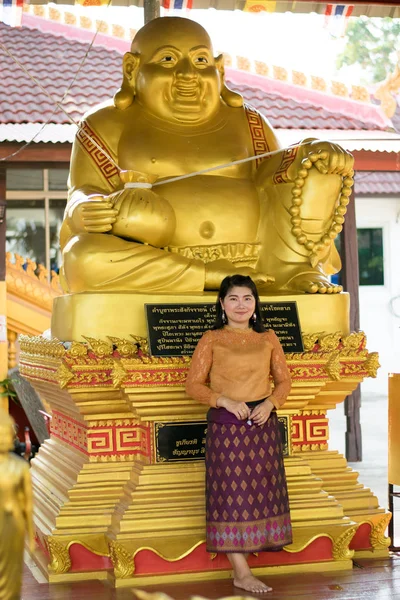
[(126, 348), (123, 562), (77, 350), (333, 366), (354, 341), (330, 341), (341, 550), (59, 554), (309, 340), (101, 348), (118, 373), (64, 375), (372, 364), (141, 343), (377, 536)]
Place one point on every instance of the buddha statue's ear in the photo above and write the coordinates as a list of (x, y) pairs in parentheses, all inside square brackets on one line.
[(126, 93), (230, 97)]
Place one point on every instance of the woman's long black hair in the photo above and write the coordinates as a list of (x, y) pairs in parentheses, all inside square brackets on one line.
[(240, 281)]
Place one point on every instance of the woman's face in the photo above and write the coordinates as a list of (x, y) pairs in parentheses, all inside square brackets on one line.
[(239, 305)]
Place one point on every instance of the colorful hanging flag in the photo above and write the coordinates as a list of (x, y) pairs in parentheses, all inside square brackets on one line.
[(177, 4), (336, 18), (11, 12), (256, 6)]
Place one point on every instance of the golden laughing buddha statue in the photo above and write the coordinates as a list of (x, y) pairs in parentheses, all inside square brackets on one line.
[(133, 223)]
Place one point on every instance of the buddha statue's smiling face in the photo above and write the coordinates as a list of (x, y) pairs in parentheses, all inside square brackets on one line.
[(173, 72)]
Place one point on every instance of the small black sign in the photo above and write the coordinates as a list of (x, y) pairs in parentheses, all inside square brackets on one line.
[(187, 441), (180, 441), (283, 318), (175, 329)]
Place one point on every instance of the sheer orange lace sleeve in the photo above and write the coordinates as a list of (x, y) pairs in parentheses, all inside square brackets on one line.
[(202, 358), (279, 372)]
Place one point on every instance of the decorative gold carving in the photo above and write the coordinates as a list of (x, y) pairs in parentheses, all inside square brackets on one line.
[(101, 348), (32, 283), (360, 93), (341, 550), (333, 366), (280, 73), (261, 68), (243, 63), (41, 346), (308, 447), (59, 554), (77, 350), (372, 364), (309, 340), (377, 536), (355, 340), (38, 373), (64, 375), (318, 83), (387, 91), (142, 343), (299, 78), (244, 254), (12, 348), (339, 89), (125, 348), (123, 562), (118, 373), (330, 341)]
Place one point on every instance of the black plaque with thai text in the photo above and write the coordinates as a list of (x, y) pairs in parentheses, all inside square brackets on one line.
[(175, 329), (180, 441), (187, 441)]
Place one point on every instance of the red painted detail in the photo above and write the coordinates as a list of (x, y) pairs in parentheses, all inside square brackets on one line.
[(83, 559), (149, 563), (361, 539), (19, 416)]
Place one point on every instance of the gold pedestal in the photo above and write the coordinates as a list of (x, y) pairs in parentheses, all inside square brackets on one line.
[(119, 314), (107, 502)]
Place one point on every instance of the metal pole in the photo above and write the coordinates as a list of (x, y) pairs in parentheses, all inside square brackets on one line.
[(350, 280), (151, 10)]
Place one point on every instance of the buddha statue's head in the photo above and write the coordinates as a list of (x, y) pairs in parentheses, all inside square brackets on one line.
[(172, 73)]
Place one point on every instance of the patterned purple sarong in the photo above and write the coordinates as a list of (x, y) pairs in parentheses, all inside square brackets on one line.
[(247, 504)]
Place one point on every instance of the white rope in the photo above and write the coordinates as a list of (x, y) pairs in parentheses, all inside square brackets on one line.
[(138, 184), (224, 166), (58, 104), (4, 158)]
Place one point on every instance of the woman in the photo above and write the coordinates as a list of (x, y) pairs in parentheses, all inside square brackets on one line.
[(15, 512), (247, 508)]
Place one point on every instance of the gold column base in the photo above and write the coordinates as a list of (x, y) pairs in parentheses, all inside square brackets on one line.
[(100, 484)]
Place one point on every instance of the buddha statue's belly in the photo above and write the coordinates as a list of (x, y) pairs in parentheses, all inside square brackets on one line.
[(213, 210)]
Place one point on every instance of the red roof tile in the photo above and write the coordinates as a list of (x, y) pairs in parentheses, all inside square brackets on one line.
[(377, 182), (54, 61)]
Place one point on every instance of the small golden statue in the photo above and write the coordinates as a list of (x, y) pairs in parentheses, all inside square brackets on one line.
[(135, 222), (15, 512)]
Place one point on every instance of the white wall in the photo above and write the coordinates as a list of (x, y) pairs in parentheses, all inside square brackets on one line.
[(377, 320)]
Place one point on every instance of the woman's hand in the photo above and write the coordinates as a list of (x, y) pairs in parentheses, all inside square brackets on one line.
[(261, 413), (239, 409)]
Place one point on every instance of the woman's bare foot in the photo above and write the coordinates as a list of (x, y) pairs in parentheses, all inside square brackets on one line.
[(251, 584)]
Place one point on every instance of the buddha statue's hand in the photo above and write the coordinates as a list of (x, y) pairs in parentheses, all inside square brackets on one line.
[(92, 214), (143, 216), (327, 158), (217, 270)]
